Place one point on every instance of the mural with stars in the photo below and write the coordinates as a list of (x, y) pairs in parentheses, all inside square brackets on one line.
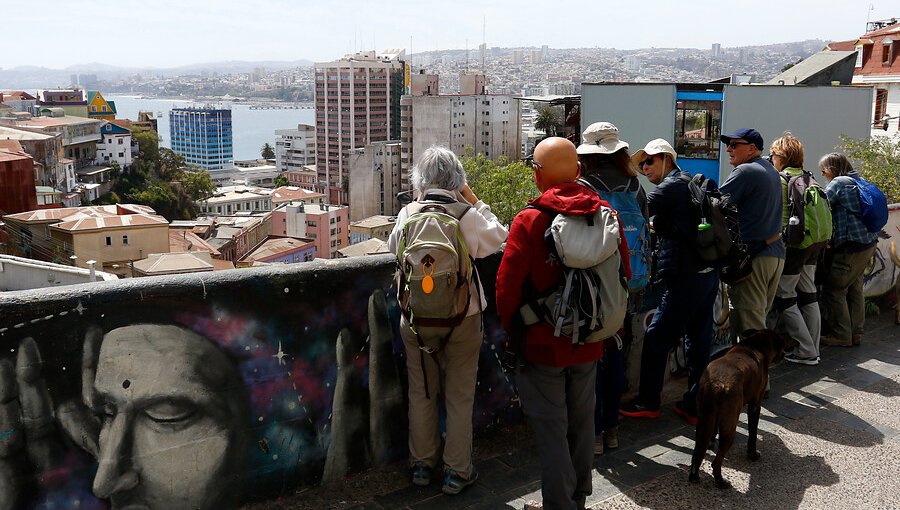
[(209, 392)]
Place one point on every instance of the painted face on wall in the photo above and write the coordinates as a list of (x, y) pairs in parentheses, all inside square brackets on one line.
[(173, 415)]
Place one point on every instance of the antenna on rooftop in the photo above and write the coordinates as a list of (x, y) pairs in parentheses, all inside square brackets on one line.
[(483, 42), (467, 54)]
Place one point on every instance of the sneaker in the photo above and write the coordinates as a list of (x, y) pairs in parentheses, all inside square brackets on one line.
[(454, 483), (793, 358), (598, 444), (634, 409), (688, 415), (611, 438), (421, 474), (835, 342)]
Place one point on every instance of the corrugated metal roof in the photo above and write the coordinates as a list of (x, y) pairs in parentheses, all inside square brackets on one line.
[(808, 68)]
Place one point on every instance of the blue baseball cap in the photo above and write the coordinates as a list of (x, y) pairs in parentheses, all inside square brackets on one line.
[(749, 134)]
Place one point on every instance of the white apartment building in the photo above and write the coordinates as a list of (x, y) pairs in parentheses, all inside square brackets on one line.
[(357, 103), (114, 145), (295, 148), (487, 124), (376, 179), (229, 200)]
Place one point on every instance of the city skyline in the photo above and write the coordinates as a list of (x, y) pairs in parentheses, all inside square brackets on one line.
[(165, 33)]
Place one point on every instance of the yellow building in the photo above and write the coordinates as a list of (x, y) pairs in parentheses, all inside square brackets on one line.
[(99, 107)]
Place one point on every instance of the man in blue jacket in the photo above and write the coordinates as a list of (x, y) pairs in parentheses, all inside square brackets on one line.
[(686, 308), (755, 187)]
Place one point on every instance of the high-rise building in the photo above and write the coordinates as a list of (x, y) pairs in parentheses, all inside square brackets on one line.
[(295, 148), (375, 174), (357, 103), (480, 124), (716, 50), (202, 136)]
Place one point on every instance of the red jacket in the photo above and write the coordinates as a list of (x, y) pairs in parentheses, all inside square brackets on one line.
[(527, 259)]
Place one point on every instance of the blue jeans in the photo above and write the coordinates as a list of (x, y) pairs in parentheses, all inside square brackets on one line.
[(686, 309)]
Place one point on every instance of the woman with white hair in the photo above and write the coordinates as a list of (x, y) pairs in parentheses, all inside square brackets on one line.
[(445, 206)]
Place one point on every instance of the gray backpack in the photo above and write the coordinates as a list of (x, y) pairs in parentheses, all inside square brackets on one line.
[(589, 303), (435, 270)]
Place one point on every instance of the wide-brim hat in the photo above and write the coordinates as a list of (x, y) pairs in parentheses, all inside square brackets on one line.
[(601, 138), (654, 147)]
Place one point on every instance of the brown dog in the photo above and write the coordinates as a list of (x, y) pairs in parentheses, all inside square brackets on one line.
[(737, 378)]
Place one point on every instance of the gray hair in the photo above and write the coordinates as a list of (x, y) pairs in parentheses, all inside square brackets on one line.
[(438, 168), (836, 163)]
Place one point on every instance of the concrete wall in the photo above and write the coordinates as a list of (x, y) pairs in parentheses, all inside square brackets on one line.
[(208, 391)]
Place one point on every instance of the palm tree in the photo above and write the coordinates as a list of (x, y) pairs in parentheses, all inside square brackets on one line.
[(547, 120), (267, 152)]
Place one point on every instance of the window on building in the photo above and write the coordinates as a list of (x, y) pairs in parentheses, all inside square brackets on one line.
[(880, 104), (124, 240), (886, 47), (108, 241), (697, 125)]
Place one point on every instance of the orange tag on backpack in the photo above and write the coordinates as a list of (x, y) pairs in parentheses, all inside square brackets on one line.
[(427, 280)]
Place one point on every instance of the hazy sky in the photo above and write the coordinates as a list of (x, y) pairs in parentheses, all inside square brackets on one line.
[(168, 33)]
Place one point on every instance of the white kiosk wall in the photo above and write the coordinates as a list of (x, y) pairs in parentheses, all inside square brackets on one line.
[(818, 116), (641, 111)]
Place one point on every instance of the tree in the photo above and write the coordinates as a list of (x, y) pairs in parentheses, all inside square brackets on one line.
[(148, 143), (198, 185), (267, 152), (548, 120), (877, 159), (171, 165), (505, 186), (281, 180)]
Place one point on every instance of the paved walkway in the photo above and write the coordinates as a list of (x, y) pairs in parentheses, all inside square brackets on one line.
[(829, 438)]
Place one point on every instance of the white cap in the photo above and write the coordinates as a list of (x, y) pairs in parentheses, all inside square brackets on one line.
[(658, 146)]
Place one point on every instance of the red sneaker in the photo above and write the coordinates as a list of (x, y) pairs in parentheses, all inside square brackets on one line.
[(682, 410), (635, 409)]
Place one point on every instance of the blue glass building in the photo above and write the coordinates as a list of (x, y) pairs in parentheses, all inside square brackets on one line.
[(203, 136)]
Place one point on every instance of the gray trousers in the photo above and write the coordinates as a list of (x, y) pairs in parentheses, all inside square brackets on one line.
[(559, 405), (795, 310)]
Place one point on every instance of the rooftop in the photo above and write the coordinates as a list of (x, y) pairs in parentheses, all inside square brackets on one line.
[(175, 263), (71, 213), (375, 222), (811, 66), (274, 247), (291, 193), (88, 223)]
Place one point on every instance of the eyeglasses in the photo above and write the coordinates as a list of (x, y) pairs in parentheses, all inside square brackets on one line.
[(734, 145), (647, 162), (530, 161)]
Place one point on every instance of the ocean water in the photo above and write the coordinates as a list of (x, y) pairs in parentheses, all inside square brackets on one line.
[(252, 127)]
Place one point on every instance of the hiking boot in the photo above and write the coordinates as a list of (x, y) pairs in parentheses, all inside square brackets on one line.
[(857, 339), (635, 409), (454, 482), (793, 358), (598, 444), (611, 438), (421, 474), (835, 342), (689, 415)]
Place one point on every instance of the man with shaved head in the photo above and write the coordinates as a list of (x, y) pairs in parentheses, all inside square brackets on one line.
[(555, 378)]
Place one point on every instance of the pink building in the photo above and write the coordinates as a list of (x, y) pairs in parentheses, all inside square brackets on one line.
[(357, 103), (327, 225)]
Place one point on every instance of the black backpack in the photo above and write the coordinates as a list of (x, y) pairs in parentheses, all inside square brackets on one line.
[(718, 238)]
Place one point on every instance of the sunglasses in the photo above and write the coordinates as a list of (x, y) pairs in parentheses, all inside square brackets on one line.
[(646, 162), (734, 145)]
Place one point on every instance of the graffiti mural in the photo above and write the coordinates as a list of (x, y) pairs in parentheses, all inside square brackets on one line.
[(881, 275), (207, 392)]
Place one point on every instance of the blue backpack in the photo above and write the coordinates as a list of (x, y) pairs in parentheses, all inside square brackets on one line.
[(872, 204), (624, 201)]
